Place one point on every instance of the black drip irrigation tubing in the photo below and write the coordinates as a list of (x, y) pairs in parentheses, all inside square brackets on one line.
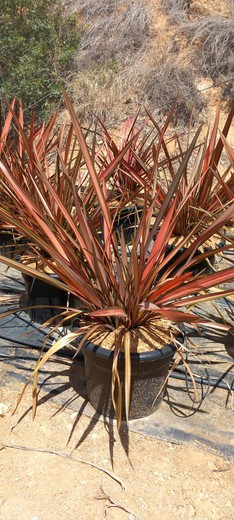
[(203, 381)]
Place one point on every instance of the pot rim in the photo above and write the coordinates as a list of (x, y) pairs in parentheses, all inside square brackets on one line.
[(30, 276), (141, 357), (198, 251)]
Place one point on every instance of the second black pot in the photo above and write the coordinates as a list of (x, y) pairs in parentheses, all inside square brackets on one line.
[(11, 244), (202, 266), (127, 219), (40, 293)]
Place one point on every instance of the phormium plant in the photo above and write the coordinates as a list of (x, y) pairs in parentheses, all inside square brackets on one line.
[(123, 292)]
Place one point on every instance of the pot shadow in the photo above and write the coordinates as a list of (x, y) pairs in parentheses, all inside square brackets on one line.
[(62, 380), (47, 377), (79, 386)]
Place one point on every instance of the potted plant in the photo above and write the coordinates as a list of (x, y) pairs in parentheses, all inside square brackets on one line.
[(7, 235), (135, 168), (35, 155), (143, 157), (48, 157), (210, 187), (127, 300), (152, 162), (15, 142)]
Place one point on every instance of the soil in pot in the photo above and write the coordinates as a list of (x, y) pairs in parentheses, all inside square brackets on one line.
[(148, 373)]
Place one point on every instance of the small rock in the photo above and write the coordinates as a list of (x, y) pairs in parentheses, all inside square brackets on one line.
[(3, 409), (191, 511), (74, 415)]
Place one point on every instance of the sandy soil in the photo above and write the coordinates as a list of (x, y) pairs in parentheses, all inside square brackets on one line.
[(162, 480)]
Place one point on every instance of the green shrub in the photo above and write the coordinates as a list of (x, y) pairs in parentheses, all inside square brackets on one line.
[(37, 44)]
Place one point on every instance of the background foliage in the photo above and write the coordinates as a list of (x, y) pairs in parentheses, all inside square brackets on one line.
[(115, 56), (148, 52), (37, 44)]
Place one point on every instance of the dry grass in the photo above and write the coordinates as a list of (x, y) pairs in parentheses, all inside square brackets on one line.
[(176, 9), (209, 38), (113, 30), (124, 63), (171, 81), (213, 37), (116, 36)]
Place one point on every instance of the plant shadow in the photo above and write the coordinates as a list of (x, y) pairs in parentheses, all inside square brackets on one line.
[(79, 386)]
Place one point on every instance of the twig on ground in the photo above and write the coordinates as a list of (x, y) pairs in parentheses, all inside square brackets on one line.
[(65, 456), (112, 503)]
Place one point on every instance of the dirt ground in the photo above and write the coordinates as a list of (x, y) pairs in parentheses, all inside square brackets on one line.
[(72, 477)]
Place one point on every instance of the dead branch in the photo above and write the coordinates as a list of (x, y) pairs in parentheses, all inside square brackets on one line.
[(65, 456)]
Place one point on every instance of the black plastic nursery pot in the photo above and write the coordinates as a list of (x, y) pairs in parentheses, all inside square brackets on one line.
[(10, 243), (148, 373), (202, 266), (127, 219), (39, 293)]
